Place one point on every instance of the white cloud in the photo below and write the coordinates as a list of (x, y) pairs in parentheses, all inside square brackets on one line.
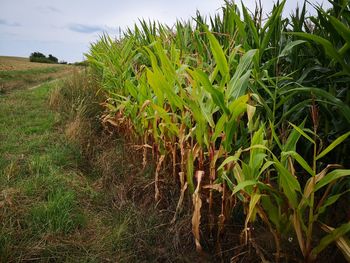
[(67, 27)]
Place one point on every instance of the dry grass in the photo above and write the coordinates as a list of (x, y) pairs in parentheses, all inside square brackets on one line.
[(19, 73), (8, 63)]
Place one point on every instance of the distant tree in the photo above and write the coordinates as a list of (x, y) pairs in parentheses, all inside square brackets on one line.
[(82, 63), (37, 55), (41, 58), (53, 59)]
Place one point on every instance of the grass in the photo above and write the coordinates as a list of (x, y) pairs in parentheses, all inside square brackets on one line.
[(36, 192), (25, 75), (58, 206), (18, 73), (56, 214), (20, 63)]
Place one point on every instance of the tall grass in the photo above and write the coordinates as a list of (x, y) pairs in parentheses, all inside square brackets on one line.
[(244, 108)]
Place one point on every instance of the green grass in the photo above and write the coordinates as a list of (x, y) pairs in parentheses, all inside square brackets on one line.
[(19, 73), (36, 191), (50, 211), (15, 74), (57, 213), (20, 78)]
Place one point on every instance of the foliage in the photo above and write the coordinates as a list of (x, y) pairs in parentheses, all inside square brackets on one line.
[(242, 108), (82, 63), (41, 58)]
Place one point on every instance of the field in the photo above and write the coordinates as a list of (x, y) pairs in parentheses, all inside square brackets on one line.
[(250, 116), (20, 63), (220, 139), (17, 72)]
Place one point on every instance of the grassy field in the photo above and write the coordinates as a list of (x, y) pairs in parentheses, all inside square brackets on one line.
[(8, 63), (62, 200), (17, 72)]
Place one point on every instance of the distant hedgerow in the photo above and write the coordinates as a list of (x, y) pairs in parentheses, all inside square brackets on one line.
[(41, 58)]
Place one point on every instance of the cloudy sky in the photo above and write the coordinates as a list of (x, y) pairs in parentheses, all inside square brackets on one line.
[(65, 28)]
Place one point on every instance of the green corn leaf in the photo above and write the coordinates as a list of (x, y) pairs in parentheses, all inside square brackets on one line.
[(254, 199), (328, 239), (231, 159), (152, 57), (228, 181), (198, 132), (343, 242), (165, 116), (196, 111), (341, 106), (155, 86), (218, 54), (329, 201), (217, 96), (208, 115), (257, 155), (167, 67), (264, 167), (243, 185), (238, 106), (271, 210), (240, 25), (128, 49), (302, 133), (327, 45), (250, 24), (289, 183), (230, 130), (247, 171), (219, 127), (274, 135), (241, 85), (300, 160), (292, 139), (159, 83), (214, 74), (238, 83), (330, 177), (270, 26), (334, 144), (288, 48), (342, 29), (131, 88), (257, 146), (342, 52)]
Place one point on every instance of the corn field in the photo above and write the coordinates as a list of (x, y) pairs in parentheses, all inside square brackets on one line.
[(250, 113)]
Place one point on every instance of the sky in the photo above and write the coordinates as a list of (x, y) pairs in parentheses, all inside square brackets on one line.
[(65, 28)]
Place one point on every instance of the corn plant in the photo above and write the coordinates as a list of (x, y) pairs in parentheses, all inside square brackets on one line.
[(216, 101)]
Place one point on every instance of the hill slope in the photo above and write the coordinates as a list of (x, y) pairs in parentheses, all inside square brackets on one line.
[(17, 72)]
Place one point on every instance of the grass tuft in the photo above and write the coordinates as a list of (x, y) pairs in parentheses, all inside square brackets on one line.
[(59, 213)]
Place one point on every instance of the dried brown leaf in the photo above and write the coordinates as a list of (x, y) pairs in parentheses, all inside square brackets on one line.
[(156, 180), (196, 218)]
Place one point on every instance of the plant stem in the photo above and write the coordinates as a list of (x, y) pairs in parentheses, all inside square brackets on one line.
[(312, 201)]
